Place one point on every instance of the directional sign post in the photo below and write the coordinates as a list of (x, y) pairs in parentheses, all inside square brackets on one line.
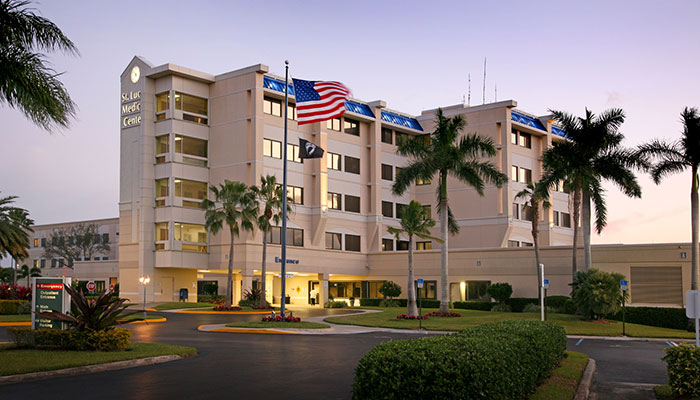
[(419, 284), (623, 286), (49, 294), (545, 285), (542, 292), (692, 310)]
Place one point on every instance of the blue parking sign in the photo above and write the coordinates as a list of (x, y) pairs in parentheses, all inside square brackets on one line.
[(623, 285)]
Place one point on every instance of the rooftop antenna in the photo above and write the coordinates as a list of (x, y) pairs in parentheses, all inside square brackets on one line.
[(469, 92), (483, 93), (495, 93)]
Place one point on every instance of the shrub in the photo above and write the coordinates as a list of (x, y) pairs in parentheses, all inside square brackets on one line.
[(498, 361), (14, 307), (9, 292), (683, 365), (335, 304), (568, 308), (388, 303), (673, 318), (416, 317), (366, 302), (501, 307), (216, 299), (439, 314), (427, 303), (116, 339), (517, 304), (279, 318), (597, 293), (251, 297), (265, 307), (226, 308), (534, 308), (500, 291), (555, 301), (473, 305), (390, 289)]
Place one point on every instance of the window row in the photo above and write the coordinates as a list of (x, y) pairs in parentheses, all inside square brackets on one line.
[(521, 139), (515, 243), (334, 241), (350, 126), (194, 151), (520, 174), (60, 262), (183, 188), (272, 106), (273, 148), (522, 212), (193, 236), (295, 237), (388, 209), (390, 136), (562, 219), (334, 201), (194, 108), (388, 245), (60, 240)]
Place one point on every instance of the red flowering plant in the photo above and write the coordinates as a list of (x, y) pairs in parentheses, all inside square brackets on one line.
[(439, 314), (279, 318), (404, 316), (9, 292), (225, 308)]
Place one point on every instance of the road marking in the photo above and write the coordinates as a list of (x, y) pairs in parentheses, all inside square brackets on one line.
[(579, 341)]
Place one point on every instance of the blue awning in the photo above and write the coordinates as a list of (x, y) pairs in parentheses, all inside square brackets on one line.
[(359, 108), (558, 131), (527, 120), (401, 120)]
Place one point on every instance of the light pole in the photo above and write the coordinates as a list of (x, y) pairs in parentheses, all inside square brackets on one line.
[(145, 280)]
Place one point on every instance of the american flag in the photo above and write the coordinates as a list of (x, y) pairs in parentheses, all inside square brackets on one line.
[(319, 100)]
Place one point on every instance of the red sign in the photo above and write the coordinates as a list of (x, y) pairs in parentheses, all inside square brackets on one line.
[(111, 287), (49, 286), (91, 286)]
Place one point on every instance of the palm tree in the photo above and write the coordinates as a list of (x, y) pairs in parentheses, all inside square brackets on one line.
[(444, 152), (26, 272), (415, 221), (535, 196), (592, 154), (14, 227), (234, 205), (27, 81), (270, 196), (676, 157)]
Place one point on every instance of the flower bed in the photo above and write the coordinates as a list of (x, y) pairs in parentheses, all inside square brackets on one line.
[(279, 318), (224, 308), (9, 292), (267, 307), (447, 314), (404, 316)]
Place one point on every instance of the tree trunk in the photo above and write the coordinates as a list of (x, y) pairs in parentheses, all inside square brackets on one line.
[(444, 299), (694, 229), (576, 212), (411, 309), (14, 273), (229, 279), (535, 234), (263, 297), (586, 225)]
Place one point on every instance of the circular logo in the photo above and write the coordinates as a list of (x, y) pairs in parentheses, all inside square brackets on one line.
[(135, 74)]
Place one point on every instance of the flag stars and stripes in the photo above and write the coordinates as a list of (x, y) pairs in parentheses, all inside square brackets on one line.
[(319, 100)]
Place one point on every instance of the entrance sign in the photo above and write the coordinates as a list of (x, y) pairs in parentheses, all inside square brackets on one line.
[(420, 283), (623, 285), (49, 294), (692, 310), (546, 283), (91, 286)]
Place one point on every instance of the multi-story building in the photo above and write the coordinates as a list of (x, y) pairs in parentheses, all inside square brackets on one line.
[(100, 267), (183, 130)]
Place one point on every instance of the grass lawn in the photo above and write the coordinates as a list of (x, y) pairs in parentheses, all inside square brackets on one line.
[(22, 361), (563, 382), (573, 324), (16, 318), (260, 324), (176, 306)]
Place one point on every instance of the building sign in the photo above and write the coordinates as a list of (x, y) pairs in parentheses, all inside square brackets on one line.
[(289, 261), (48, 295), (131, 109)]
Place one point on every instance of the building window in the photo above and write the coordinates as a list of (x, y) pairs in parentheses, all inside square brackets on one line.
[(351, 126), (402, 245), (526, 244), (293, 153), (43, 242), (105, 238), (566, 220), (387, 244), (36, 263), (427, 210), (421, 181), (424, 245), (272, 106), (161, 231), (54, 263), (514, 173), (387, 172), (191, 190), (388, 209), (527, 213), (387, 136), (352, 203), (524, 175), (162, 102), (513, 243), (162, 144), (194, 105), (292, 112), (352, 242), (516, 211), (192, 236), (525, 140), (334, 201), (514, 136), (333, 161), (272, 148), (334, 241), (400, 209), (400, 138), (194, 151), (295, 195), (555, 218), (429, 290), (352, 165), (333, 124), (162, 187), (42, 263), (36, 242), (295, 237)]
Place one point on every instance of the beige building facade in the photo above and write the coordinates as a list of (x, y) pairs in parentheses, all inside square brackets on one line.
[(184, 130)]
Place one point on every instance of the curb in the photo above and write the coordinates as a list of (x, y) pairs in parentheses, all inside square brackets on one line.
[(222, 312), (18, 323), (584, 387), (249, 330), (87, 369), (146, 321)]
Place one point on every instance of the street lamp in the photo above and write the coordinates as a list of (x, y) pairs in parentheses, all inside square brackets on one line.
[(145, 280)]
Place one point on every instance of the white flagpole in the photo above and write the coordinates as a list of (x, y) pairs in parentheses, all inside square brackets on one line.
[(284, 191)]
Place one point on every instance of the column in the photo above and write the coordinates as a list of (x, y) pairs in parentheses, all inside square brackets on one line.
[(323, 288)]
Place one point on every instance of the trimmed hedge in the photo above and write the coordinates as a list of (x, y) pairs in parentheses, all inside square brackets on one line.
[(10, 307), (369, 302), (673, 318), (427, 303), (683, 365), (502, 360), (116, 339), (556, 301), (517, 304), (473, 305)]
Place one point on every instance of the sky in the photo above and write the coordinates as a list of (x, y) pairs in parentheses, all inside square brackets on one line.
[(641, 56)]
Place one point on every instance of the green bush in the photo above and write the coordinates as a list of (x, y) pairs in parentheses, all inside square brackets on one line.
[(427, 303), (10, 307), (500, 291), (367, 302), (473, 305), (388, 303), (569, 307), (597, 293), (390, 289), (683, 365), (673, 318), (555, 301), (493, 361), (335, 304), (501, 307), (116, 339), (517, 304)]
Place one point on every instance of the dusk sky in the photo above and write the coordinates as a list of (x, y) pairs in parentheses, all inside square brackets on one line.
[(640, 56)]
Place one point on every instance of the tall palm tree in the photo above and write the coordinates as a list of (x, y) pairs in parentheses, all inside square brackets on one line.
[(26, 272), (270, 196), (535, 196), (593, 153), (676, 157), (234, 205), (415, 221), (27, 81), (446, 152), (14, 227)]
